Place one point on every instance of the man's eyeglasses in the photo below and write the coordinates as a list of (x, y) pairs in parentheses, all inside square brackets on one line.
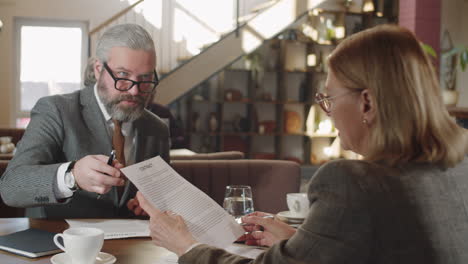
[(123, 84), (325, 101)]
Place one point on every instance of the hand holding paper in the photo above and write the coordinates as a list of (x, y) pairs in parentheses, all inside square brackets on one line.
[(165, 190), (168, 229)]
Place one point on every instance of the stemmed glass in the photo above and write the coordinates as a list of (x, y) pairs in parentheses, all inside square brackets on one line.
[(238, 201)]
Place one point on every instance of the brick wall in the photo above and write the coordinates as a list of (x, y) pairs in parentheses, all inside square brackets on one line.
[(423, 18)]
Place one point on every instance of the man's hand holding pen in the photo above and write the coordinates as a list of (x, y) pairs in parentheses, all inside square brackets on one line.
[(98, 173)]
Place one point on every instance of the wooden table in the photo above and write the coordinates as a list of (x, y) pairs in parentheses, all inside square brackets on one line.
[(127, 251)]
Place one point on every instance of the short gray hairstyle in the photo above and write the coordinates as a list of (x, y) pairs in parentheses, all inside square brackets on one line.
[(124, 35), (89, 77)]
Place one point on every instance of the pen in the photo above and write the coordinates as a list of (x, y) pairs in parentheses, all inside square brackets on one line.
[(109, 162), (111, 157)]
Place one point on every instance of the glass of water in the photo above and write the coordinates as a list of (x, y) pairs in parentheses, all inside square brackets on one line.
[(238, 201)]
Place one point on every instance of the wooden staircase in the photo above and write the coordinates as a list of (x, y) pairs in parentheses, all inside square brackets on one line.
[(267, 21)]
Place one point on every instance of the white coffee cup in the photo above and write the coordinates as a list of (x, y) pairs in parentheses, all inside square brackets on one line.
[(81, 244), (298, 204)]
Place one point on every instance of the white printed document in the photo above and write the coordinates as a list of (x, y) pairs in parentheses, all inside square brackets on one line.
[(208, 222), (115, 228)]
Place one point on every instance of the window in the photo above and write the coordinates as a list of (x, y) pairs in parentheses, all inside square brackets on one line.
[(51, 56)]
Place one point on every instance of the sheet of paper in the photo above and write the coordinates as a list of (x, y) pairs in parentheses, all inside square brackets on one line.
[(208, 222), (169, 259), (238, 249), (115, 228)]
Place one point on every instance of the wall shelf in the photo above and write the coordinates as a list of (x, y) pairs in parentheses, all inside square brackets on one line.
[(268, 112), (458, 112)]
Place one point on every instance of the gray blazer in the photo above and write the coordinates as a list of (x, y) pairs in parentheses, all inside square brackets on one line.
[(368, 213), (65, 128)]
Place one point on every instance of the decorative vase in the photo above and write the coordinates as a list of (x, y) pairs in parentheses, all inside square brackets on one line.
[(195, 122), (213, 122)]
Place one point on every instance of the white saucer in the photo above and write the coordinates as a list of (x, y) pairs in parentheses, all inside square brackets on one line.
[(290, 216), (295, 225), (62, 258)]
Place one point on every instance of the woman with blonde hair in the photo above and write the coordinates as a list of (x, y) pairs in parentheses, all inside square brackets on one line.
[(405, 202)]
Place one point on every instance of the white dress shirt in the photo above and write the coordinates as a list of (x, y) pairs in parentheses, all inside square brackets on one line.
[(62, 191)]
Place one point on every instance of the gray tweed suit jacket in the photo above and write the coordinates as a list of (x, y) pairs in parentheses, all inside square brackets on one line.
[(65, 128), (367, 213)]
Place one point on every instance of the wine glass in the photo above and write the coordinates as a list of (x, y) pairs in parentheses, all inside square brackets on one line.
[(238, 201)]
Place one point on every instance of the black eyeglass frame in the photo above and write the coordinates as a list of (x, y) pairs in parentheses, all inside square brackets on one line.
[(116, 79)]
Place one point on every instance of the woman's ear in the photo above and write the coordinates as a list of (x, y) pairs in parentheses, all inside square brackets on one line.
[(367, 107)]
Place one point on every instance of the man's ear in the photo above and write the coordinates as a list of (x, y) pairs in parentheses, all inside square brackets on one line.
[(368, 106), (97, 68)]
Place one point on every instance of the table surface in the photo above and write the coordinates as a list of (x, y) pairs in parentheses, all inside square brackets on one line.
[(130, 250)]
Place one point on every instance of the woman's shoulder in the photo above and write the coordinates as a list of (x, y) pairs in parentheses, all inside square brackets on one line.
[(347, 167), (358, 173)]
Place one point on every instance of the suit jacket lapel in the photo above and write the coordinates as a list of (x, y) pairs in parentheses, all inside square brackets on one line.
[(140, 155), (148, 145), (97, 128), (129, 187), (94, 118), (140, 140)]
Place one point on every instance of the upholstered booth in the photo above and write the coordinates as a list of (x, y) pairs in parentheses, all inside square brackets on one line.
[(270, 180), (223, 155), (16, 134)]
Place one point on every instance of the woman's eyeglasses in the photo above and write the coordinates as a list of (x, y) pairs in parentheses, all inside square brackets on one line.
[(325, 101)]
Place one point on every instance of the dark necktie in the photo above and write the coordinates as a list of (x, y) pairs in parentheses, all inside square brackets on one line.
[(118, 143)]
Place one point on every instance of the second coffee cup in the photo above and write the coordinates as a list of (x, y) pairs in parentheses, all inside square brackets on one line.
[(298, 204)]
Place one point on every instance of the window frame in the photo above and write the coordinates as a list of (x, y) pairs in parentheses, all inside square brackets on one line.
[(19, 22)]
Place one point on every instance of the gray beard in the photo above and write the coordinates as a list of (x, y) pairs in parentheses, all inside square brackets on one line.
[(123, 115), (120, 113)]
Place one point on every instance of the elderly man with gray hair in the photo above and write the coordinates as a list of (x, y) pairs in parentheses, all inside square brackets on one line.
[(63, 167)]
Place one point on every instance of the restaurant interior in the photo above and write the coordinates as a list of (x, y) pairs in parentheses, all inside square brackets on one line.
[(237, 80)]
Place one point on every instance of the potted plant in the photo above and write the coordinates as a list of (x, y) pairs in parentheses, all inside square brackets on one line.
[(451, 57), (254, 63), (460, 52)]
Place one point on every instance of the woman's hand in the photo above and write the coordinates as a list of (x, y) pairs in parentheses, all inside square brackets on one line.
[(265, 231), (168, 230)]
